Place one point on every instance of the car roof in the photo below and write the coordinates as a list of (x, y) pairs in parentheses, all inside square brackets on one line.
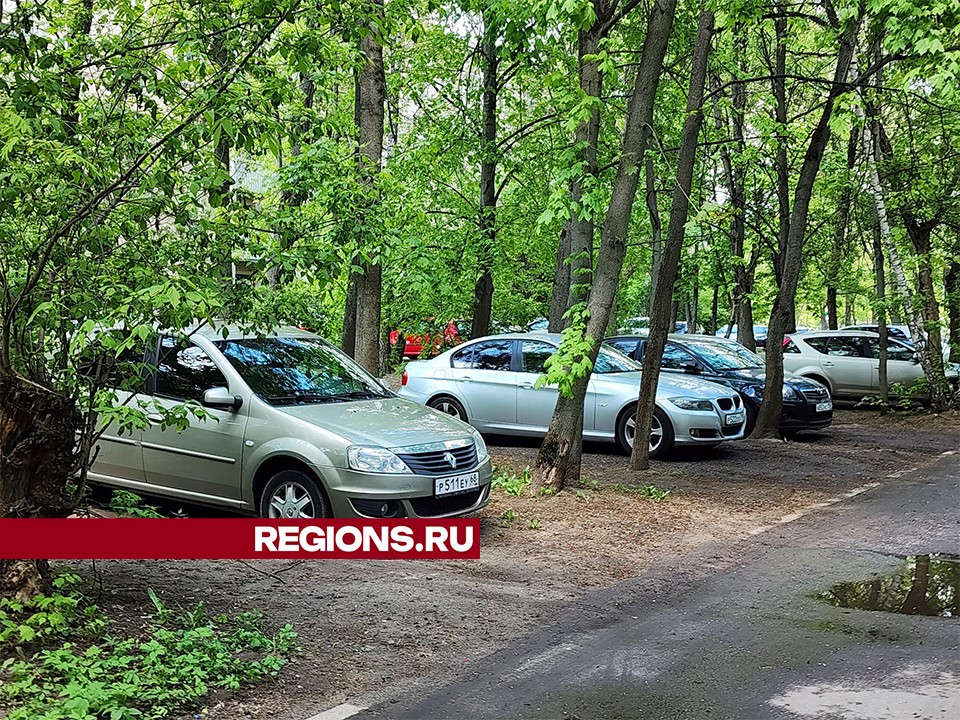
[(834, 333), (678, 337)]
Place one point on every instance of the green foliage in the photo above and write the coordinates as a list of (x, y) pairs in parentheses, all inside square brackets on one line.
[(572, 361), (535, 524), (651, 492), (508, 515), (511, 482), (129, 504), (62, 659)]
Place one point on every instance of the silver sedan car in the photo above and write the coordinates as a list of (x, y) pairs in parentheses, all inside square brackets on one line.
[(492, 384), (293, 428)]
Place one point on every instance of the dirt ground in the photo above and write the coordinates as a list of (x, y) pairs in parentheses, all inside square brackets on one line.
[(371, 631)]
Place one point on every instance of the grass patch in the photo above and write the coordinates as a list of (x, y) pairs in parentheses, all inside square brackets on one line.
[(510, 481), (61, 658)]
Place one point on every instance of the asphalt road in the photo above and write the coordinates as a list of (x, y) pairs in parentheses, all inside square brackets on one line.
[(734, 633)]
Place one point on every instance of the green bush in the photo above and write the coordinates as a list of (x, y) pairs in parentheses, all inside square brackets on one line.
[(61, 660)]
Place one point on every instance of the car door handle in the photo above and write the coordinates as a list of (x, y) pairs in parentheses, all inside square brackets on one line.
[(466, 379), (155, 419), (827, 363), (525, 386)]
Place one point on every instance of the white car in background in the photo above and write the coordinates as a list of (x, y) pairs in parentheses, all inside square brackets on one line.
[(848, 363), (492, 384)]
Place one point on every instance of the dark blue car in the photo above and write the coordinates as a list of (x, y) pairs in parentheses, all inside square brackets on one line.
[(806, 404)]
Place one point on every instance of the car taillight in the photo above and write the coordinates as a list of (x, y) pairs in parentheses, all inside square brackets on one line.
[(403, 378)]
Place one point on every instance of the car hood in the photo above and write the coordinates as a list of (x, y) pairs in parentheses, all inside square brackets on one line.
[(389, 423), (669, 385), (758, 376)]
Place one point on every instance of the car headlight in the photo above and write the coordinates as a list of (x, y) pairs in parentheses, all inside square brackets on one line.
[(482, 454), (789, 393), (375, 460), (691, 404)]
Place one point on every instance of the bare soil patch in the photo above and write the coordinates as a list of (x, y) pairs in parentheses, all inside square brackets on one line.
[(372, 630)]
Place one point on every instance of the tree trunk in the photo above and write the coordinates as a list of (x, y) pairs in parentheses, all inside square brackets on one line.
[(951, 293), (580, 226), (38, 460), (743, 272), (838, 251), (881, 290), (371, 95), (920, 233), (483, 291), (778, 85), (937, 397), (660, 319), (656, 227), (561, 285), (558, 461), (782, 316)]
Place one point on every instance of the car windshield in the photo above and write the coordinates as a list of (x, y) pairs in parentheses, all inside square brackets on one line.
[(610, 360), (299, 371), (724, 355)]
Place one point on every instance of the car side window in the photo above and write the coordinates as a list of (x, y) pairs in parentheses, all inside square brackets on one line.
[(535, 356), (463, 359), (627, 347), (675, 357), (819, 344), (895, 351), (845, 347), (789, 346), (493, 355), (185, 372)]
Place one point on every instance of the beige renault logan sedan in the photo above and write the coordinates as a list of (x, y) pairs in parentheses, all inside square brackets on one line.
[(293, 429)]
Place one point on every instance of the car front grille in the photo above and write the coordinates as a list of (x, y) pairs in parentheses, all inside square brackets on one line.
[(729, 403), (434, 506), (816, 394), (438, 462)]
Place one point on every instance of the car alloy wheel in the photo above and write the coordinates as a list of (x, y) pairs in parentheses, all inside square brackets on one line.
[(656, 432), (291, 500), (293, 493), (449, 406)]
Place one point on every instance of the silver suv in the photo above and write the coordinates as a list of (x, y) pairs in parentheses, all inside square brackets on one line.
[(295, 429)]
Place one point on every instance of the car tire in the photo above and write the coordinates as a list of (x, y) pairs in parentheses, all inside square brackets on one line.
[(661, 427), (449, 406), (751, 421), (292, 494)]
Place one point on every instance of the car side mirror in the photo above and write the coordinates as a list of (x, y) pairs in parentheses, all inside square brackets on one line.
[(221, 399), (691, 368)]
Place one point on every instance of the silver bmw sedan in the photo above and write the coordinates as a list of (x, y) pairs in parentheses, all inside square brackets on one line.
[(492, 384)]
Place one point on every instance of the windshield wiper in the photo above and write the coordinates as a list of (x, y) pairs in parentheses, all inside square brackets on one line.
[(359, 395), (301, 398), (317, 398)]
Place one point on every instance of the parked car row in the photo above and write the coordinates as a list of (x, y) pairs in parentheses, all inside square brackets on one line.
[(491, 383), (291, 427)]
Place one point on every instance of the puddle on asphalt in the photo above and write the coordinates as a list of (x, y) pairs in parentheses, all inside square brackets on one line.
[(921, 585)]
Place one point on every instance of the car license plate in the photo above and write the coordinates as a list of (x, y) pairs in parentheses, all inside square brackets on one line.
[(734, 418), (456, 484), (824, 406)]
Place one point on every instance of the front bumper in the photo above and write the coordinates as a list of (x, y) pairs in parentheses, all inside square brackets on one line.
[(692, 427), (359, 495), (803, 415)]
